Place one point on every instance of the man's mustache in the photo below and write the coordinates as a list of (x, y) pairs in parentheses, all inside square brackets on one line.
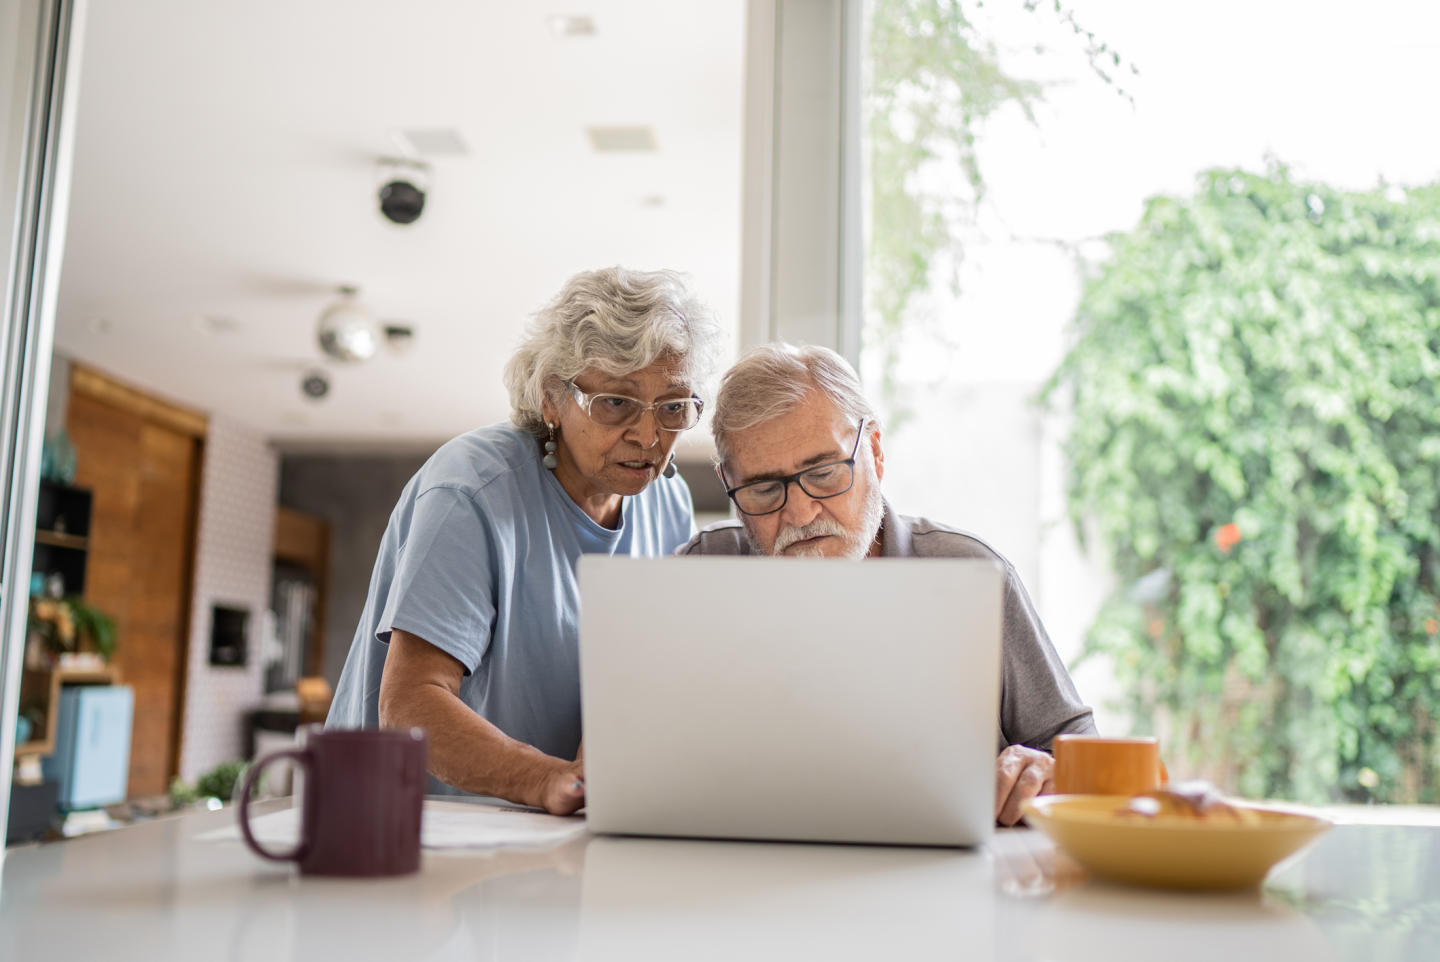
[(815, 529)]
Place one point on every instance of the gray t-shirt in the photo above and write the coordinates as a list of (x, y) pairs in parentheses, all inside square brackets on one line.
[(1037, 698), (479, 560)]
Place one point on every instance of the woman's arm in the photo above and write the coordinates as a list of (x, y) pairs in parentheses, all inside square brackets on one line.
[(420, 686)]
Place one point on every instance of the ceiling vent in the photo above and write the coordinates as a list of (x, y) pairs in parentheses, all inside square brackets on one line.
[(431, 142), (570, 25), (622, 140)]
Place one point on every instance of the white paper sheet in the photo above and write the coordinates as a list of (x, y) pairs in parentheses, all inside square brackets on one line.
[(445, 825)]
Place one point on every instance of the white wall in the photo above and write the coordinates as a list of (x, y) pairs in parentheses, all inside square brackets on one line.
[(233, 560)]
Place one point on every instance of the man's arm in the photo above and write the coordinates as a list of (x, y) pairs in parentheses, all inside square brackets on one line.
[(1038, 699), (1037, 702), (420, 686)]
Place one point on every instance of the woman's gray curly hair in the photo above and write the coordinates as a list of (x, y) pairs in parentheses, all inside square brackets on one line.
[(776, 379), (618, 321)]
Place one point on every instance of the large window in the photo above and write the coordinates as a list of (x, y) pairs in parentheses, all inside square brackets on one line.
[(1220, 217)]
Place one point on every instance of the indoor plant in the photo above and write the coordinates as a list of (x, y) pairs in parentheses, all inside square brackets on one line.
[(71, 625)]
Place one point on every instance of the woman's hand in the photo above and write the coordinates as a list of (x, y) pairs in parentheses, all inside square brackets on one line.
[(563, 791), (420, 686)]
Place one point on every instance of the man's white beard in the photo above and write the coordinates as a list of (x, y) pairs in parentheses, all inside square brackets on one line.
[(857, 542)]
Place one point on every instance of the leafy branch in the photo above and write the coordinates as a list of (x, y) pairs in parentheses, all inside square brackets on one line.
[(934, 80)]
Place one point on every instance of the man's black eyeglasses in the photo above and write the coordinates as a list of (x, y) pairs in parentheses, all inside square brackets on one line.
[(768, 495)]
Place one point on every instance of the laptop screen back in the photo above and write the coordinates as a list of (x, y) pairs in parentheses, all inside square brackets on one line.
[(799, 699)]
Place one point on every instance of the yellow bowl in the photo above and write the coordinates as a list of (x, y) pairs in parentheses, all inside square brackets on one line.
[(1169, 850)]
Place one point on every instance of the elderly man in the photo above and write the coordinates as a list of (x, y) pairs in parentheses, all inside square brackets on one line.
[(799, 452)]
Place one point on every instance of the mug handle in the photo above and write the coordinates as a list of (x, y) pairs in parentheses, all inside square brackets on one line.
[(300, 756)]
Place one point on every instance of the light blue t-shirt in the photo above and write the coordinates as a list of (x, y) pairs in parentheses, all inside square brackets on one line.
[(479, 560)]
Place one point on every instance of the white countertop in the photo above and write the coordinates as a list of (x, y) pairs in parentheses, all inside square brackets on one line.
[(154, 892)]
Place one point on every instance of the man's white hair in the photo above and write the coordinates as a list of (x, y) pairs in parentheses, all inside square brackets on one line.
[(617, 321), (776, 379)]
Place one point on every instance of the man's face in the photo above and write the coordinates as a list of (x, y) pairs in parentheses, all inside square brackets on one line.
[(843, 526)]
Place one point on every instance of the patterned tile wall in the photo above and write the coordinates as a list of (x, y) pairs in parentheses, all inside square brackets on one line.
[(233, 562)]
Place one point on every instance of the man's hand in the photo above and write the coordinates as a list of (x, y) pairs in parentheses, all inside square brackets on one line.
[(1020, 773)]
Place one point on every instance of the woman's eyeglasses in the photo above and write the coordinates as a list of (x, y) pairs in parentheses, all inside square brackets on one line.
[(619, 411), (828, 480)]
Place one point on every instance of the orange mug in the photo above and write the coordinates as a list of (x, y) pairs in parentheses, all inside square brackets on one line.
[(1091, 765)]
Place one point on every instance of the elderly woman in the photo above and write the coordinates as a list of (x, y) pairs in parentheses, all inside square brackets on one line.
[(470, 628)]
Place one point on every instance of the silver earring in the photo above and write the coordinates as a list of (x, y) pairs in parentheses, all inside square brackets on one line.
[(669, 471), (550, 460)]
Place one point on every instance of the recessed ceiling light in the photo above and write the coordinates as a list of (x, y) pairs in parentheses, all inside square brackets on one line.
[(216, 324), (653, 201), (430, 142), (621, 140), (570, 25)]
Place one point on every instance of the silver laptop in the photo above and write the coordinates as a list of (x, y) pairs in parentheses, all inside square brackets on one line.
[(795, 699)]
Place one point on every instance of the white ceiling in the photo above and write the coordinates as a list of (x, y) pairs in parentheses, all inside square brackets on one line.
[(226, 167)]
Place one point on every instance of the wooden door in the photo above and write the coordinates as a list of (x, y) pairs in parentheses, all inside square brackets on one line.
[(304, 540), (145, 479)]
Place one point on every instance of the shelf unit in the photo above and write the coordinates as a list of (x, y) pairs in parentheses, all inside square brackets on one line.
[(43, 743), (62, 535), (56, 539), (62, 544)]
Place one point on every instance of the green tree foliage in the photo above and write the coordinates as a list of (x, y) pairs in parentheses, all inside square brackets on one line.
[(1255, 393)]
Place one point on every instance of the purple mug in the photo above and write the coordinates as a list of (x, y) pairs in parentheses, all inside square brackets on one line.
[(363, 790)]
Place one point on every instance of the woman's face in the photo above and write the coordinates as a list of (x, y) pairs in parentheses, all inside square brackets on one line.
[(598, 463)]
